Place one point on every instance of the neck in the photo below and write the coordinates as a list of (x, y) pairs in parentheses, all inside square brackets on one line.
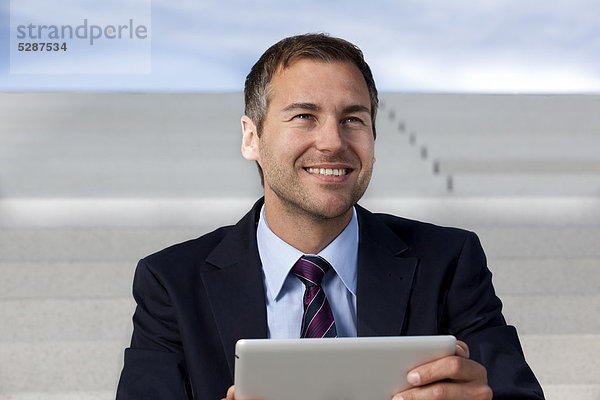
[(305, 232)]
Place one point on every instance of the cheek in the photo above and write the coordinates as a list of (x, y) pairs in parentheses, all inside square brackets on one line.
[(294, 149), (365, 149), (274, 153)]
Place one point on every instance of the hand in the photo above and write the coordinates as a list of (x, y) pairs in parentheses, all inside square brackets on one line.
[(452, 377), (230, 394)]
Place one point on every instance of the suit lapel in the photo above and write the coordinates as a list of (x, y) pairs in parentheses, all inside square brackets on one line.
[(384, 278), (235, 286)]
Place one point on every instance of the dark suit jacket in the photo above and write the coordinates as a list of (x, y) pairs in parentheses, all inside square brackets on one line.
[(197, 298)]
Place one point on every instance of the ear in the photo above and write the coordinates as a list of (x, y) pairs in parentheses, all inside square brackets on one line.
[(249, 139)]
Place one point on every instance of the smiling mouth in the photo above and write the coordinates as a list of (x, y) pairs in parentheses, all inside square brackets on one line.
[(328, 171)]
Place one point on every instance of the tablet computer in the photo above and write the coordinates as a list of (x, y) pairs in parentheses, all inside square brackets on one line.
[(332, 368)]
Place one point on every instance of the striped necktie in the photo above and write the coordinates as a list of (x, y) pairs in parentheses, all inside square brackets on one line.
[(317, 320)]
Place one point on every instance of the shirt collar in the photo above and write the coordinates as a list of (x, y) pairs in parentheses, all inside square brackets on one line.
[(278, 257)]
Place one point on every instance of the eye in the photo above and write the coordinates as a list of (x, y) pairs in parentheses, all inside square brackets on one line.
[(352, 119), (303, 116)]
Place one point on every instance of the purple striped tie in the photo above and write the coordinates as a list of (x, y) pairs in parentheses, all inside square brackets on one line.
[(318, 320)]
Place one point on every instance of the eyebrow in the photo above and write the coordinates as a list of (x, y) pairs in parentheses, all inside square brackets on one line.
[(302, 106), (314, 107), (356, 108)]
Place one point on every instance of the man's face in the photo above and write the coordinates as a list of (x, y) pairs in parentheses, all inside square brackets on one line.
[(316, 148)]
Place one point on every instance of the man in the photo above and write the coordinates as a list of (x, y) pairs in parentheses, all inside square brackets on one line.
[(310, 126)]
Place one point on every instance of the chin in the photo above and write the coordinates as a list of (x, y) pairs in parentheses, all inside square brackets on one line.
[(331, 209)]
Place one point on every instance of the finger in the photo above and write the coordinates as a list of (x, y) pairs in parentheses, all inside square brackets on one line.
[(448, 368), (447, 390), (462, 349), (230, 393)]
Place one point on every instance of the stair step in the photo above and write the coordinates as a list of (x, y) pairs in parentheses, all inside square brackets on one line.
[(157, 213), (88, 244), (477, 212), (552, 314), (546, 166), (551, 392), (563, 359), (74, 395), (516, 147), (72, 319), (111, 244), (84, 279), (471, 212), (546, 276), (60, 366), (95, 366), (110, 319), (90, 279), (420, 183), (494, 115), (572, 392), (541, 242), (525, 184)]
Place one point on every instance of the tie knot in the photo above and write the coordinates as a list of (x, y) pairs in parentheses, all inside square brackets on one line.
[(311, 270)]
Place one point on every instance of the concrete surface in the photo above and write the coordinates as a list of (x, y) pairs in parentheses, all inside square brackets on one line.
[(89, 183)]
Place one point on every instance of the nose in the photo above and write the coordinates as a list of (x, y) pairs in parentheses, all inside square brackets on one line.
[(330, 138)]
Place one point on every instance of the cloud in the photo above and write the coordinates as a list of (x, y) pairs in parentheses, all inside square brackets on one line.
[(463, 45), (397, 74)]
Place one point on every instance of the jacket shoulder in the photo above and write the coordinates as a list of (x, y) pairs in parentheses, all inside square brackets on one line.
[(410, 229)]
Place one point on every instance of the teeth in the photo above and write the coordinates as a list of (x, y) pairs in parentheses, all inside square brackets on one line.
[(327, 171)]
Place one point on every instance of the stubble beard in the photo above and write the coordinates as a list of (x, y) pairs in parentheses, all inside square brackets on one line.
[(297, 200)]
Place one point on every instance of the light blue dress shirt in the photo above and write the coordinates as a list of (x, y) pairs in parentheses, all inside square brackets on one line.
[(284, 292)]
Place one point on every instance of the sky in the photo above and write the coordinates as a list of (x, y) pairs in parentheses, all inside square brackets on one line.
[(497, 46)]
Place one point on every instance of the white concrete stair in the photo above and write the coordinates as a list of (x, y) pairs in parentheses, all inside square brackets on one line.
[(545, 276), (94, 366), (60, 366), (552, 314), (72, 395), (96, 181), (62, 280), (43, 320), (563, 359), (47, 320), (28, 280), (118, 244)]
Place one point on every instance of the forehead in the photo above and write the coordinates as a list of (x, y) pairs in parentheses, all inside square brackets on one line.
[(315, 80)]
